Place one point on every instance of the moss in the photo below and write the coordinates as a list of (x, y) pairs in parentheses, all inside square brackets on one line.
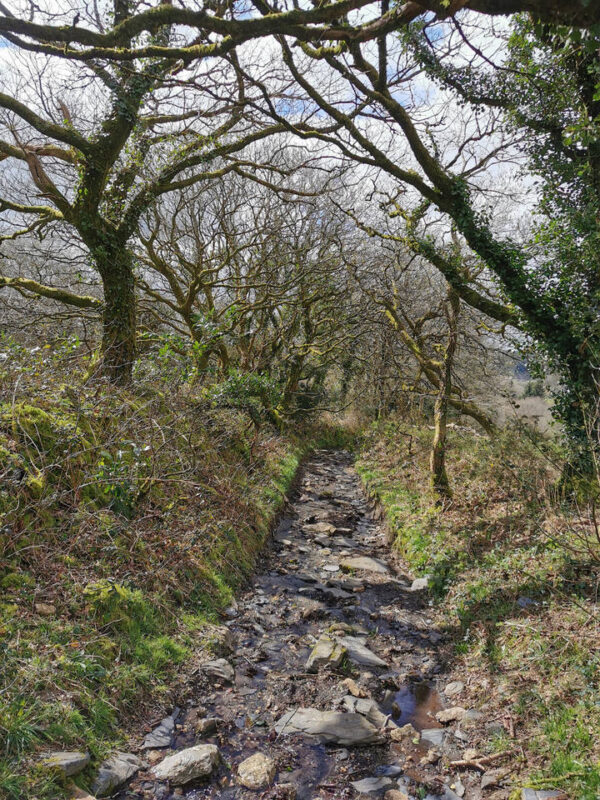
[(46, 431), (17, 580)]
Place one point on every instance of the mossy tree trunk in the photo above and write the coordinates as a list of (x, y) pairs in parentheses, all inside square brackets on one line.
[(115, 265), (437, 461)]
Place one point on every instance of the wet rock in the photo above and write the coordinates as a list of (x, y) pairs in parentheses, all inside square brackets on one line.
[(220, 668), (331, 567), (454, 714), (365, 564), (419, 584), (66, 762), (160, 736), (207, 725), (114, 772), (389, 770), (369, 709), (188, 765), (257, 772), (328, 592), (372, 785), (359, 653), (434, 736), (454, 688), (326, 652), (329, 726)]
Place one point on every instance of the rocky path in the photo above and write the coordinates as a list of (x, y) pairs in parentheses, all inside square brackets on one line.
[(325, 684)]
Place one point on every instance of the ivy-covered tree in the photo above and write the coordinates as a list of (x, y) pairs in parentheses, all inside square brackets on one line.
[(549, 87)]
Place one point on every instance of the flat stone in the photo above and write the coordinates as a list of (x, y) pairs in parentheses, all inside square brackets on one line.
[(188, 765), (434, 736), (492, 778), (544, 794), (366, 564), (368, 708), (67, 762), (359, 653), (331, 567), (161, 736), (329, 726), (319, 528), (372, 785), (114, 772), (220, 668), (454, 688), (454, 714), (419, 584), (257, 772), (325, 652)]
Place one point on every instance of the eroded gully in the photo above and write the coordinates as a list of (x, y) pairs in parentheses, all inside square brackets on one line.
[(335, 728)]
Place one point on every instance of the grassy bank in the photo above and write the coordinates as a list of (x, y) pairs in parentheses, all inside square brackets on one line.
[(514, 581), (130, 519)]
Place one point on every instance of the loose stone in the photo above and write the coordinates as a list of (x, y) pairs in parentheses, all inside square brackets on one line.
[(455, 714), (372, 785), (329, 726), (256, 772), (326, 652), (188, 765), (67, 762), (114, 772)]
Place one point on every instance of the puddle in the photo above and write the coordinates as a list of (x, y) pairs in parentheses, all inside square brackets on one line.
[(418, 704)]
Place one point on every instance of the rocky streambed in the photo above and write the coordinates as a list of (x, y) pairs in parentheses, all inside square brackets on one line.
[(327, 680)]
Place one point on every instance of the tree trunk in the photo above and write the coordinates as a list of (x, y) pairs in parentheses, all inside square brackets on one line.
[(119, 317), (437, 462)]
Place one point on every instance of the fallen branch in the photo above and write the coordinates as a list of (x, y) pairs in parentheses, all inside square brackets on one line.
[(480, 763)]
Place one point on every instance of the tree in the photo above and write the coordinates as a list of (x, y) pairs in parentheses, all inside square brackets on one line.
[(255, 280), (548, 88), (145, 130), (428, 169)]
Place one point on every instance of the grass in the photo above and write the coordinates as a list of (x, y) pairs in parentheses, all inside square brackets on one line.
[(131, 518), (514, 581)]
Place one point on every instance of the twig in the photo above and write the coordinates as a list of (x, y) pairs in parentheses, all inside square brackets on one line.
[(481, 762)]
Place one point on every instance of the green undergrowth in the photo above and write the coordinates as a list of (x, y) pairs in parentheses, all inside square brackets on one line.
[(130, 518), (514, 579)]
